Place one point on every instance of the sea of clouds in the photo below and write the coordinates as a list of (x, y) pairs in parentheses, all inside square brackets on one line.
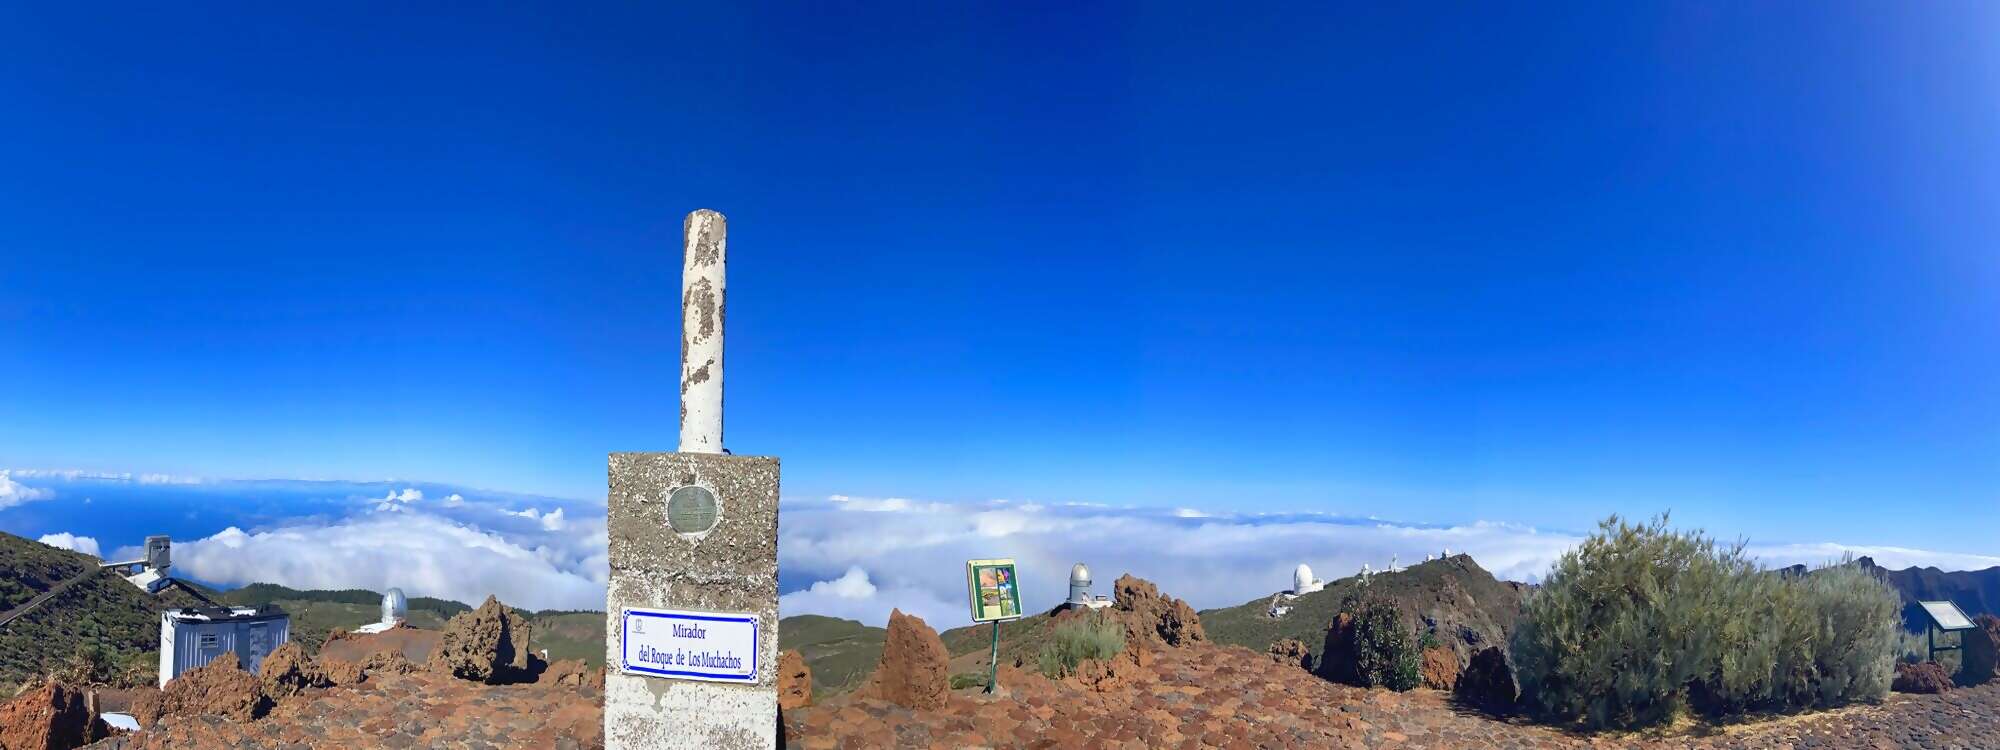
[(842, 556)]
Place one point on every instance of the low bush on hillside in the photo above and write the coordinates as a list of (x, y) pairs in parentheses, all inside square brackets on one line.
[(1077, 640), (1639, 622), (965, 680), (1385, 649)]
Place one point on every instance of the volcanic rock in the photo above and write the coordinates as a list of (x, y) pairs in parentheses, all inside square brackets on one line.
[(1291, 651), (1488, 682), (488, 644), (1439, 668), (148, 704), (288, 671), (1336, 657), (915, 669), (572, 673), (1152, 618), (795, 681), (380, 662), (1979, 651), (1928, 677), (219, 688), (51, 717)]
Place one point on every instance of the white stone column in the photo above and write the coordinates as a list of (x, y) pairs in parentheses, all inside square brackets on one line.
[(703, 286)]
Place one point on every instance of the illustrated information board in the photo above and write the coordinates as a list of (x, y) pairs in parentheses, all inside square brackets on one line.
[(718, 647), (995, 593)]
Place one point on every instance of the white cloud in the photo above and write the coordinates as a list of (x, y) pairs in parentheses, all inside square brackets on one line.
[(14, 493), (853, 596), (914, 559), (398, 501), (454, 500), (536, 565), (551, 521), (72, 542)]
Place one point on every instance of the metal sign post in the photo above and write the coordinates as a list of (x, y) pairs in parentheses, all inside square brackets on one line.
[(995, 593)]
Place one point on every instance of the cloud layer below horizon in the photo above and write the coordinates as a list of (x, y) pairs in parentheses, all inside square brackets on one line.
[(847, 557)]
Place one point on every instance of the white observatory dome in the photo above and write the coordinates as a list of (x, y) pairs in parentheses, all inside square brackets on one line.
[(395, 608), (1079, 575), (1303, 581)]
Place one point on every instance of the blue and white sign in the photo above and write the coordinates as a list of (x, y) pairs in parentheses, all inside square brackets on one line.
[(719, 647)]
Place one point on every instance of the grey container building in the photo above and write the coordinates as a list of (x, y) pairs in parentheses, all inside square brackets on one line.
[(193, 637)]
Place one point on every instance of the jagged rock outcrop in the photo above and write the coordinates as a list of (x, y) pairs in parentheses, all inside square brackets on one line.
[(795, 681), (148, 704), (51, 717), (571, 673), (1979, 651), (489, 644), (915, 670), (380, 662), (1153, 618), (288, 671), (1119, 670), (1439, 668), (1336, 656), (1925, 678), (1488, 682), (1291, 651), (219, 688)]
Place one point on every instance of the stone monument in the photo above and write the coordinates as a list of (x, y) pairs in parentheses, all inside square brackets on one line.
[(692, 607)]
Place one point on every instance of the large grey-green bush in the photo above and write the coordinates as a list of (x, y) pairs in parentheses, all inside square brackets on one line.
[(1639, 622), (1092, 637)]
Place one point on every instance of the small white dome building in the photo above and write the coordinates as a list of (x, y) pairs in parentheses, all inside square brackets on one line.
[(395, 612), (1079, 589), (1303, 581)]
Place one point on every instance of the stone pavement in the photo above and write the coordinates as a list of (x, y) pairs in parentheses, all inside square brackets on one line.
[(421, 710), (1230, 697)]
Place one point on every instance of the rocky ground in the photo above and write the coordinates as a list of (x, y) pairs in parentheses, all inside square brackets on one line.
[(418, 710), (1230, 697)]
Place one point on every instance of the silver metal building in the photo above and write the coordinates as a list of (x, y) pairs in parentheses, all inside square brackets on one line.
[(193, 637)]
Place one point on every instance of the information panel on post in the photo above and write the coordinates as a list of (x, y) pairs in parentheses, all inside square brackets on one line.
[(993, 589)]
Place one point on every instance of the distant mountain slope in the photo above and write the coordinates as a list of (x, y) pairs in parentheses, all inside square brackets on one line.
[(101, 613), (840, 653), (29, 568), (1468, 606), (1975, 591)]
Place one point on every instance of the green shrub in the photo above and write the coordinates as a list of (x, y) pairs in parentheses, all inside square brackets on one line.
[(1073, 642), (1639, 622), (965, 680), (1385, 650)]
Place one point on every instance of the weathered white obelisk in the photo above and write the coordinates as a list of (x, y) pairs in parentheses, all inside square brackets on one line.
[(691, 611)]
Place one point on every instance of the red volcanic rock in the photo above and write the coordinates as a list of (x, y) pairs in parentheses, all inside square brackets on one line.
[(1336, 657), (1488, 682), (1979, 651), (377, 663), (1439, 668), (488, 644), (795, 681), (219, 688), (915, 670), (1928, 677), (1153, 618), (288, 671), (1291, 651), (51, 717)]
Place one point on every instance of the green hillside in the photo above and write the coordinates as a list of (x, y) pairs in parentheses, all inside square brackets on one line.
[(28, 568), (102, 616), (840, 652), (1467, 605)]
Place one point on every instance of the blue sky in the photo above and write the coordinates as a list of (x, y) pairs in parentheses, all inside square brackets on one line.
[(1435, 264)]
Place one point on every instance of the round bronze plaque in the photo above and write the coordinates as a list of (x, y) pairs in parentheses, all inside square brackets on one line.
[(691, 510)]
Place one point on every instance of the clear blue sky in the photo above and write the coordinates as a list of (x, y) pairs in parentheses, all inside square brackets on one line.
[(1431, 263)]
